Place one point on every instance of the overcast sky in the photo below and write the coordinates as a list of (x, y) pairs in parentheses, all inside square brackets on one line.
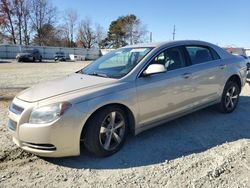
[(223, 22)]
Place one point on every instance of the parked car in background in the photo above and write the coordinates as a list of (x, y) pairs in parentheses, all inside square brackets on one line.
[(60, 56), (29, 55), (129, 90), (248, 66), (245, 57), (74, 57), (248, 61)]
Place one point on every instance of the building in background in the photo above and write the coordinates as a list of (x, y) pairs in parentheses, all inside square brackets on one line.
[(236, 51)]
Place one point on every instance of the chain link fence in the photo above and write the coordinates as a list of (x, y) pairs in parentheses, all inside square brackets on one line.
[(47, 52)]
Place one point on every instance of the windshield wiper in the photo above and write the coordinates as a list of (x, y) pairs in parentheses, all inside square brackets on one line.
[(99, 74)]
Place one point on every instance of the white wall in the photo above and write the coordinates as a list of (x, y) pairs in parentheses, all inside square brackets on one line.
[(248, 51), (47, 52)]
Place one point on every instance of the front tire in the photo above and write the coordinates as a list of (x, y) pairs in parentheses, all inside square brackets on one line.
[(230, 97), (106, 131)]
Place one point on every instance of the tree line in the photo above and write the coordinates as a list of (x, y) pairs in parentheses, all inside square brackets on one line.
[(37, 22)]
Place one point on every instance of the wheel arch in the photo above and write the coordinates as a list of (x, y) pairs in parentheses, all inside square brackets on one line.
[(235, 78), (129, 115)]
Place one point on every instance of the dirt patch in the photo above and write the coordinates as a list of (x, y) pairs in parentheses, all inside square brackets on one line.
[(23, 75)]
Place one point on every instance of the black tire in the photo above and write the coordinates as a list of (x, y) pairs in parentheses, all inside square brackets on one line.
[(99, 129), (230, 97), (34, 59), (40, 60)]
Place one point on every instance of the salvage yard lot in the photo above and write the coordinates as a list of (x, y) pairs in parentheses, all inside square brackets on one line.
[(27, 74), (203, 149)]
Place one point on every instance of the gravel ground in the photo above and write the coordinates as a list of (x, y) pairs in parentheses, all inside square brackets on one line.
[(21, 75), (203, 149)]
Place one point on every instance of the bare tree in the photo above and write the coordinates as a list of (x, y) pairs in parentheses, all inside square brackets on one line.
[(26, 25), (134, 29), (15, 19), (7, 13), (71, 19), (18, 8), (64, 35), (41, 13), (100, 36), (53, 36), (86, 36)]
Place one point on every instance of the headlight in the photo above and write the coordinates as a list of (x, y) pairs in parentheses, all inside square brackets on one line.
[(49, 113)]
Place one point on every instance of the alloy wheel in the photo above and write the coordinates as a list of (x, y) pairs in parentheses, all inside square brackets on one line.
[(112, 131), (231, 98)]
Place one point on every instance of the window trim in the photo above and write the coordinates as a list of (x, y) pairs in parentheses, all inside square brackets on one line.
[(183, 53)]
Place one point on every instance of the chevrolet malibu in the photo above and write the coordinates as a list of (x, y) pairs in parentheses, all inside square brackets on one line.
[(126, 91)]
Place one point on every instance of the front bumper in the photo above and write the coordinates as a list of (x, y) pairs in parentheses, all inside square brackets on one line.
[(56, 139)]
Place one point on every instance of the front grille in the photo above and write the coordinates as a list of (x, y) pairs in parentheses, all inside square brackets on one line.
[(49, 147), (12, 125), (16, 109)]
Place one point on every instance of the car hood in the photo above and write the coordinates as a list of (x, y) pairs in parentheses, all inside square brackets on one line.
[(71, 83)]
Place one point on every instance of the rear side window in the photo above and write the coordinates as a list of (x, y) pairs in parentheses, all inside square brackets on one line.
[(215, 54), (200, 54)]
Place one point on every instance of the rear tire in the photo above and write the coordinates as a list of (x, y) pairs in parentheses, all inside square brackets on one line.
[(230, 97), (106, 131)]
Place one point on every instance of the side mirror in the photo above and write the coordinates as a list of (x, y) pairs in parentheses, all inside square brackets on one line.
[(154, 69)]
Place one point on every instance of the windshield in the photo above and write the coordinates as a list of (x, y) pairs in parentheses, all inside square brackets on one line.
[(116, 64)]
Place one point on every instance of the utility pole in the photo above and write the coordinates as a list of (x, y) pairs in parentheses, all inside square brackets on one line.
[(174, 32), (151, 37)]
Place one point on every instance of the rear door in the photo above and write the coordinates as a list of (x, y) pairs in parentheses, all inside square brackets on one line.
[(207, 70)]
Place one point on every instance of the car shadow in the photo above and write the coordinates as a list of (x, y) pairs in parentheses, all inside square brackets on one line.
[(190, 134)]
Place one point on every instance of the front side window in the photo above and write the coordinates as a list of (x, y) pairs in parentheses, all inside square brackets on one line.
[(199, 54), (116, 64), (171, 58)]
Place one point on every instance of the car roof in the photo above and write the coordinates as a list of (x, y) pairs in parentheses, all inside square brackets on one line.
[(222, 53), (177, 42)]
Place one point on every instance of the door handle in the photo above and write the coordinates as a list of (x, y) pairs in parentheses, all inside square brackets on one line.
[(222, 66), (186, 75)]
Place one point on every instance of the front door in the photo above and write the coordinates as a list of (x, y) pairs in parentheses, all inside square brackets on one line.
[(164, 94)]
